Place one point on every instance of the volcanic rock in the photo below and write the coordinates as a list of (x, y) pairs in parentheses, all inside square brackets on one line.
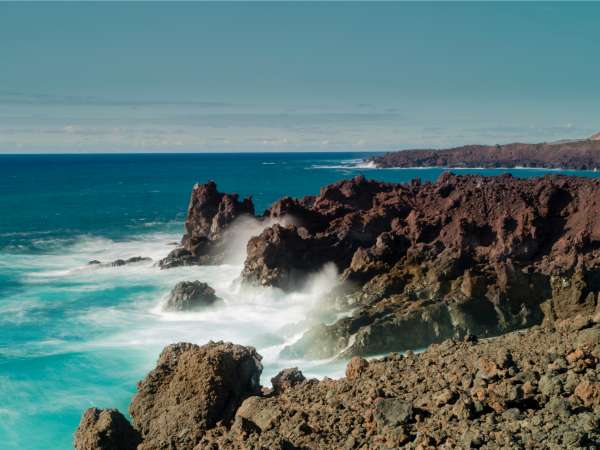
[(466, 255), (192, 389), (120, 262), (286, 379), (210, 212), (105, 429), (581, 154), (190, 295), (419, 262), (531, 389), (435, 399)]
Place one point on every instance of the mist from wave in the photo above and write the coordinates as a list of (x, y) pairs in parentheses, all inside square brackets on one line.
[(77, 335)]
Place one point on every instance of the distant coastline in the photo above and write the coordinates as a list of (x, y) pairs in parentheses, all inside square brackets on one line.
[(583, 154)]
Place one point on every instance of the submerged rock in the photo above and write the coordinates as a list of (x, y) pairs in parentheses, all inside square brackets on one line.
[(132, 260), (190, 295), (120, 262), (192, 389), (105, 429)]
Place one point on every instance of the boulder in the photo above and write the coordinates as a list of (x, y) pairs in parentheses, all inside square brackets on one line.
[(105, 429), (190, 295), (286, 379), (191, 390)]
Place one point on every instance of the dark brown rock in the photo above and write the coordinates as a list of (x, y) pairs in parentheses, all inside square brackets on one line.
[(286, 379), (582, 154), (464, 255), (190, 295), (210, 213), (105, 429)]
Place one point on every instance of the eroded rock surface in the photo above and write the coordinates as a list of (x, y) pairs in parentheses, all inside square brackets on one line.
[(531, 389), (464, 255), (105, 429), (419, 262), (190, 295), (210, 212), (534, 389), (192, 389)]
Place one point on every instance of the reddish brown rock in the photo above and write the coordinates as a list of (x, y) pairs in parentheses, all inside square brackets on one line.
[(464, 255), (532, 399), (356, 366), (210, 213), (581, 154), (286, 379)]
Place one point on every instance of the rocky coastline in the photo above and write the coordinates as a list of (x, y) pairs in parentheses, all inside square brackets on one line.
[(581, 154), (442, 264)]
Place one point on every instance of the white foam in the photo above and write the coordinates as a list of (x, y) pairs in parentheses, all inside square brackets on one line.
[(132, 319)]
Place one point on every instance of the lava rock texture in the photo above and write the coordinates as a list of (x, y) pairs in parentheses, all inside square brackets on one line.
[(423, 262), (209, 214), (532, 389)]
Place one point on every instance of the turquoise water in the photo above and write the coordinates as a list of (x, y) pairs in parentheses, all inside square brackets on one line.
[(73, 336)]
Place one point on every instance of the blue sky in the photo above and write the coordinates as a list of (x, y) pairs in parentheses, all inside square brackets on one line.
[(103, 77)]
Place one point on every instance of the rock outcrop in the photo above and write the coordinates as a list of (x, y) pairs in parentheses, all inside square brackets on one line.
[(190, 295), (105, 429), (210, 212), (533, 389), (192, 389), (421, 262), (581, 154), (536, 389), (426, 262)]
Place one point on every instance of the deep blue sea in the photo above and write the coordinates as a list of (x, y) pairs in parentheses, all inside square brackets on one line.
[(74, 336)]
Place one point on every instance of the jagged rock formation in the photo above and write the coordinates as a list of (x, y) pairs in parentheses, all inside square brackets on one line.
[(105, 429), (422, 262), (190, 295), (463, 255), (210, 212), (579, 155), (534, 389)]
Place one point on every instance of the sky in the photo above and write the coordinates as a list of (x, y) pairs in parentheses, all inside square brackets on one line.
[(180, 77)]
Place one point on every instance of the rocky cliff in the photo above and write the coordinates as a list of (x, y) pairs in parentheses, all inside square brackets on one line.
[(578, 155), (209, 214), (422, 262)]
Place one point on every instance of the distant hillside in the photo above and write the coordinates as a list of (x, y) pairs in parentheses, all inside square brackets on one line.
[(578, 155)]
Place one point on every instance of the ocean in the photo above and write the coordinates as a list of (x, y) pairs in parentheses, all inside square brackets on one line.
[(74, 336)]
